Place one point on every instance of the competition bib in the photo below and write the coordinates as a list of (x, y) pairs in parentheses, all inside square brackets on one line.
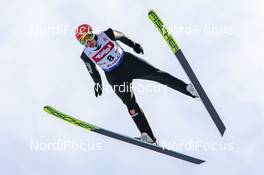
[(107, 55)]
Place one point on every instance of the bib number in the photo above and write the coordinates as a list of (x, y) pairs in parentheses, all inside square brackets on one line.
[(110, 58)]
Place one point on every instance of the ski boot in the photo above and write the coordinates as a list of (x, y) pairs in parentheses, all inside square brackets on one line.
[(144, 137), (190, 88)]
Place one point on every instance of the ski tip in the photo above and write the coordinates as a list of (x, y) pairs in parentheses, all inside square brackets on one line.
[(151, 11), (48, 108), (45, 108)]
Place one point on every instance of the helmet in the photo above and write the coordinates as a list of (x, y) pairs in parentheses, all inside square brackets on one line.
[(82, 30)]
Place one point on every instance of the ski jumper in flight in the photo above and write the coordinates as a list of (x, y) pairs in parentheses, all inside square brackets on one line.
[(122, 67)]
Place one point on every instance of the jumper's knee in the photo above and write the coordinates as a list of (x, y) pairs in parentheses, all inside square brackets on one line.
[(134, 110)]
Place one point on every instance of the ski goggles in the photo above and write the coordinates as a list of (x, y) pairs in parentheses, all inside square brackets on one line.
[(86, 38)]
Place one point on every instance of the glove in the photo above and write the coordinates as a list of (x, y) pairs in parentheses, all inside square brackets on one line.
[(98, 89), (138, 48)]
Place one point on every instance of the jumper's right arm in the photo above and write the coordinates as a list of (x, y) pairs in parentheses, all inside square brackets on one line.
[(91, 67)]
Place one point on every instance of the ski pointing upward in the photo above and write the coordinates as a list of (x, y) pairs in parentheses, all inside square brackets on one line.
[(120, 137), (153, 16)]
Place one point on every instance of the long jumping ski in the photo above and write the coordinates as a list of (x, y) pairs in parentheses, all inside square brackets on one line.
[(153, 16), (120, 137)]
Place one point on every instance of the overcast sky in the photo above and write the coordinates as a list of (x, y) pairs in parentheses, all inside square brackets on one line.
[(40, 65)]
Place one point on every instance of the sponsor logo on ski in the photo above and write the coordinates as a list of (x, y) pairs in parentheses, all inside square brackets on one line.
[(164, 31)]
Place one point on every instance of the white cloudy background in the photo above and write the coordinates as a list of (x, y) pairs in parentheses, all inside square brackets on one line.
[(40, 69)]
